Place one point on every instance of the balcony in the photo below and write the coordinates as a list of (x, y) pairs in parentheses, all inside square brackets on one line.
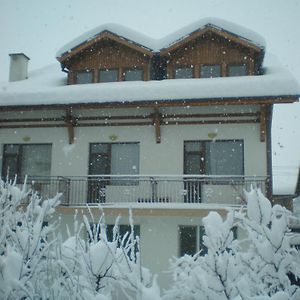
[(143, 189)]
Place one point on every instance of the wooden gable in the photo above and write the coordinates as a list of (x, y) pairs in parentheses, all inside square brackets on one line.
[(106, 51), (211, 46)]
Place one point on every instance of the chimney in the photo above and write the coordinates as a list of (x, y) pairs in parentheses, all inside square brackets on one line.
[(18, 69)]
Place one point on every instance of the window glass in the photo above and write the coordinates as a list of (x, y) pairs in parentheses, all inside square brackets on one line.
[(187, 240), (31, 160), (209, 71), (237, 70), (181, 73), (117, 159), (108, 75), (214, 158), (133, 75), (84, 77), (224, 158)]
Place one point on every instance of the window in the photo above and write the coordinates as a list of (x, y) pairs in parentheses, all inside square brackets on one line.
[(29, 159), (115, 159), (191, 239), (133, 74), (214, 157), (181, 73), (123, 230), (240, 70), (111, 159), (108, 75), (84, 77), (210, 71)]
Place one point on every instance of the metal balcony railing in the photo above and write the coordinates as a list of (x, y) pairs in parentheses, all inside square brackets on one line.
[(121, 189)]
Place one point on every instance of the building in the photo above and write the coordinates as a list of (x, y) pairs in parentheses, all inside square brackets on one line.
[(172, 128)]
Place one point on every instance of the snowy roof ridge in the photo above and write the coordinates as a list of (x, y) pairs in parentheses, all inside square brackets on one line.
[(235, 29), (119, 30), (158, 44)]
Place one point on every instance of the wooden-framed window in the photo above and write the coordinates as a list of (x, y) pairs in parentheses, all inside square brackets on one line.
[(26, 159), (210, 71), (83, 77), (191, 239), (237, 70), (133, 74), (183, 72), (221, 157), (108, 75)]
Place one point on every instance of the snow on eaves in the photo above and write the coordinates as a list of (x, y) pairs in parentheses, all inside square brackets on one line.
[(48, 86), (158, 44)]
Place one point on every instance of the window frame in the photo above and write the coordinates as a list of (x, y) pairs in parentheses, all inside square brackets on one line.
[(20, 156), (200, 233), (108, 69), (210, 65), (203, 162), (176, 67), (91, 71), (237, 65), (109, 153), (124, 70)]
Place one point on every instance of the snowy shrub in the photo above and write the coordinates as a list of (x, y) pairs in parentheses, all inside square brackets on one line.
[(255, 268), (36, 263)]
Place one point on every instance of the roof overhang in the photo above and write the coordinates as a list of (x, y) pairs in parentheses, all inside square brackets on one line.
[(262, 100)]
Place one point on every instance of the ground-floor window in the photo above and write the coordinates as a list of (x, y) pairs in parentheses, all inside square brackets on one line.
[(26, 159), (191, 239)]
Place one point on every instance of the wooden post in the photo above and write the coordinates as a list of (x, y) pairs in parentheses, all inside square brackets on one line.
[(70, 123), (263, 123), (156, 123)]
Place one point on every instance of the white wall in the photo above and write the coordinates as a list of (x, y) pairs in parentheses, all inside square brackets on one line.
[(163, 158)]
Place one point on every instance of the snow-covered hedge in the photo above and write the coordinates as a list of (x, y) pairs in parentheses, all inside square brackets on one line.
[(35, 263), (257, 267)]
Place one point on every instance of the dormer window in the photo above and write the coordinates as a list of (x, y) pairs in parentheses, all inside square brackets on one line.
[(83, 77), (184, 72), (133, 74), (210, 71), (108, 75), (237, 70)]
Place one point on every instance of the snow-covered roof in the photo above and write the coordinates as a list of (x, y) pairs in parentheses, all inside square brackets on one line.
[(48, 86), (157, 44), (285, 180)]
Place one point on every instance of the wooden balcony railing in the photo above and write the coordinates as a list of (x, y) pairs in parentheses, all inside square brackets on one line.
[(121, 189)]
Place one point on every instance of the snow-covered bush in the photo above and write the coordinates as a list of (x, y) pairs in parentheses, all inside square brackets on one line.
[(254, 268), (36, 263)]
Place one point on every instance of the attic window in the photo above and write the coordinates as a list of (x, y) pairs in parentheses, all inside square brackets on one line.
[(84, 77), (133, 74), (237, 70), (210, 71), (108, 75), (181, 73)]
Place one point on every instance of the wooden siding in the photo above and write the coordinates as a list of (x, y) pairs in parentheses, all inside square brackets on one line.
[(107, 55), (211, 49)]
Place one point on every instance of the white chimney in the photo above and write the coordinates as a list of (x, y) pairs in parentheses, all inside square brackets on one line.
[(18, 69)]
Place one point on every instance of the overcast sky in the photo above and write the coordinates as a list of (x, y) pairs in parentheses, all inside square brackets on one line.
[(39, 28)]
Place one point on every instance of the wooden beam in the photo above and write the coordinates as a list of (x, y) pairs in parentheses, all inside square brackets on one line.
[(71, 122), (263, 123), (156, 123)]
